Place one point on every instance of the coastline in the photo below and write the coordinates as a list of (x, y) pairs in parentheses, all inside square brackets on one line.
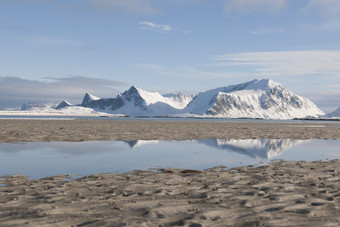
[(27, 130), (282, 193)]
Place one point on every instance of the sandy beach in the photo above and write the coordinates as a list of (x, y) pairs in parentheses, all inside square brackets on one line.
[(13, 131), (282, 193)]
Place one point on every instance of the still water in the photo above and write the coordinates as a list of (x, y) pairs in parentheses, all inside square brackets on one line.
[(39, 160)]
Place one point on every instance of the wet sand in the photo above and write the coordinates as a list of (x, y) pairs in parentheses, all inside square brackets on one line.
[(13, 131), (279, 194)]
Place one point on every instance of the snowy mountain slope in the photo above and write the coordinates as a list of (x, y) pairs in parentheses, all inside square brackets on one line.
[(335, 114), (254, 99), (179, 98), (76, 110), (256, 148), (49, 110), (136, 101), (202, 101), (101, 104), (88, 98), (64, 108), (35, 106), (63, 104)]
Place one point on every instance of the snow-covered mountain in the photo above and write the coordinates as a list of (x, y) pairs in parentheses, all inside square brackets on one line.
[(260, 98), (91, 101), (137, 101), (64, 108), (181, 99), (35, 106), (335, 114), (88, 98), (63, 104), (256, 148), (264, 99)]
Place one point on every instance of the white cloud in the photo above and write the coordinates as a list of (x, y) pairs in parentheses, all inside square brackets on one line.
[(146, 25), (249, 6), (151, 26), (286, 62), (133, 6)]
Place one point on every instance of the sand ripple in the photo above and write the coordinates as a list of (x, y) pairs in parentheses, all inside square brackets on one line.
[(280, 194)]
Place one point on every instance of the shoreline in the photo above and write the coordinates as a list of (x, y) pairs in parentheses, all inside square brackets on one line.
[(279, 194), (23, 130)]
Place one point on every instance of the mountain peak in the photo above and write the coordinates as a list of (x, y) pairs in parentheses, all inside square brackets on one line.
[(257, 84), (88, 98), (133, 87), (63, 104), (265, 83), (133, 90)]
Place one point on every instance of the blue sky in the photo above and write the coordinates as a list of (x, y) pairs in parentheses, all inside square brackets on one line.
[(60, 49)]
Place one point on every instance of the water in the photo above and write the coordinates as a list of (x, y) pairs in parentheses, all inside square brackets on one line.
[(39, 160)]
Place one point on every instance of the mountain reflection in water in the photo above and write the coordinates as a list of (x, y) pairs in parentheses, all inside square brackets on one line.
[(91, 157), (256, 148)]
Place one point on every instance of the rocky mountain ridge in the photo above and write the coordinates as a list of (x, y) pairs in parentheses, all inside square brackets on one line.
[(259, 98)]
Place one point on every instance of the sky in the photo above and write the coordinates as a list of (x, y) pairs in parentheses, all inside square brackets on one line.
[(52, 50)]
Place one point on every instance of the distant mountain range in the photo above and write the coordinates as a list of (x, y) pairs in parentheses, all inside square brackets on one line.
[(259, 98)]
